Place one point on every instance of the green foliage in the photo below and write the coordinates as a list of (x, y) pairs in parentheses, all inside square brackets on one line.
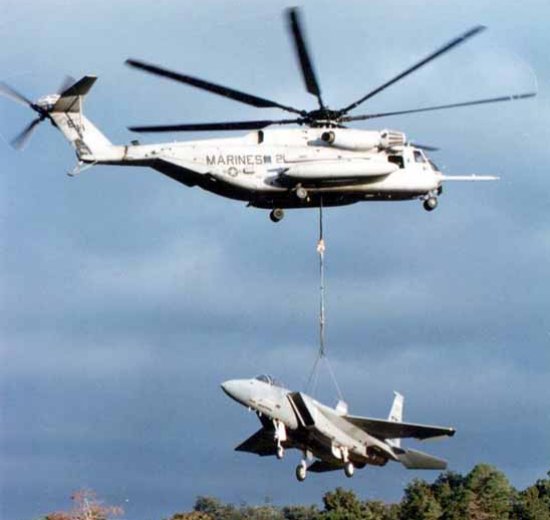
[(534, 502), (482, 494), (300, 512), (489, 494), (419, 502)]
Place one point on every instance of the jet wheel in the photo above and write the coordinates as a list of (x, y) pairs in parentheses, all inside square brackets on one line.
[(430, 204), (276, 215), (280, 452), (301, 472), (349, 469)]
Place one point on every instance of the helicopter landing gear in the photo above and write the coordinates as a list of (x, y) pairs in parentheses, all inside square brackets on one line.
[(276, 215), (301, 193), (280, 453), (349, 469), (430, 203), (301, 471)]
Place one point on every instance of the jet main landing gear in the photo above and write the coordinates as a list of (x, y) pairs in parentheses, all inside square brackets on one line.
[(301, 471)]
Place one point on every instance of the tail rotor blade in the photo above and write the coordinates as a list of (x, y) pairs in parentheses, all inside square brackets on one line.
[(14, 95), (20, 141)]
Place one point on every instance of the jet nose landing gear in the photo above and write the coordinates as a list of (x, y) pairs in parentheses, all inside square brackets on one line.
[(349, 469), (276, 215)]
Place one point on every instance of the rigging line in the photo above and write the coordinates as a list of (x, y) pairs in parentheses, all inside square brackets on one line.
[(321, 251)]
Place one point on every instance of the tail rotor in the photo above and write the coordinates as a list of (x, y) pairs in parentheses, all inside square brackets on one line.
[(42, 107)]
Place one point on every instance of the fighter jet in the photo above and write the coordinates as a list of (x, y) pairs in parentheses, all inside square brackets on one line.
[(332, 438)]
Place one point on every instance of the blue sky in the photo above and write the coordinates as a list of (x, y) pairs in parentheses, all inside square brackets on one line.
[(127, 298)]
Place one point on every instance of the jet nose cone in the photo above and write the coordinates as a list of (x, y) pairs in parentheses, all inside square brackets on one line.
[(236, 389)]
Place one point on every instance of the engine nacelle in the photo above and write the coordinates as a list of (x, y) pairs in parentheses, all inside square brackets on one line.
[(363, 140)]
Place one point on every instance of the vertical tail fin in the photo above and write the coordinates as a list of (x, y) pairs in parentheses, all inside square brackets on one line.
[(90, 144), (396, 415)]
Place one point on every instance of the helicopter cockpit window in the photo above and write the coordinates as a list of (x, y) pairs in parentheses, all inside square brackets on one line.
[(264, 378), (433, 165), (419, 157)]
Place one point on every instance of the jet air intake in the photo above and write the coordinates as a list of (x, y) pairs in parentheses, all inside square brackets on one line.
[(363, 140)]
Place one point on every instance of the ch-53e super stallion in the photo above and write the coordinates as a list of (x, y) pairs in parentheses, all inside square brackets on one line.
[(334, 438), (322, 163)]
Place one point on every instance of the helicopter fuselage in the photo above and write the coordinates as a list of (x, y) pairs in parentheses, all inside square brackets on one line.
[(290, 168)]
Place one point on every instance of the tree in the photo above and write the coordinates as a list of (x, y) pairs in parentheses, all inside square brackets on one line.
[(450, 491), (300, 512), (419, 502), (489, 494), (534, 502), (215, 508), (341, 504), (86, 506)]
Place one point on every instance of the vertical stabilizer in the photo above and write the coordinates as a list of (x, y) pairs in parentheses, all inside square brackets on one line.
[(89, 142), (396, 415)]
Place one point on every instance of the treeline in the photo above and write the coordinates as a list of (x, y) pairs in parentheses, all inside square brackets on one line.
[(482, 494)]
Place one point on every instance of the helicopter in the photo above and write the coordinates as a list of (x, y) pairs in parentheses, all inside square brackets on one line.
[(320, 163)]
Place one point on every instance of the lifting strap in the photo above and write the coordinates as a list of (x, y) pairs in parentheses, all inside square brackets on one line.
[(322, 352)]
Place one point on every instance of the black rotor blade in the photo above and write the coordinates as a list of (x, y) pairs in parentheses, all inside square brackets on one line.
[(514, 97), (453, 43), (310, 78), (236, 95), (201, 127), (426, 147), (19, 142), (68, 82), (11, 93)]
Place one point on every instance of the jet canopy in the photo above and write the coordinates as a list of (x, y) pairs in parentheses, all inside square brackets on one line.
[(264, 378)]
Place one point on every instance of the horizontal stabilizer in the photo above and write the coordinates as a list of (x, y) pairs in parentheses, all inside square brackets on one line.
[(69, 101), (413, 459), (262, 443), (398, 430)]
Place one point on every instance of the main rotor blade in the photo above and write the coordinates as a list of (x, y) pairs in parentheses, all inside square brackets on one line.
[(20, 141), (453, 43), (201, 127), (236, 95), (514, 97), (11, 93), (310, 78)]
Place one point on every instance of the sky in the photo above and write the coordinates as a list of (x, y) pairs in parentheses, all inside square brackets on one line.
[(127, 298)]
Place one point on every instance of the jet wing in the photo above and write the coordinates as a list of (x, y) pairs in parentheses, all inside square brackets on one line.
[(398, 430), (261, 443), (320, 466)]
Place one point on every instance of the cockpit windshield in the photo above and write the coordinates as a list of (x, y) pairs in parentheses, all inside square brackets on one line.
[(419, 156), (264, 378), (433, 165)]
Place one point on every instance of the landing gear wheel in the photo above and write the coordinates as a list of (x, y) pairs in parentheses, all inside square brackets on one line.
[(430, 204), (301, 471), (301, 193), (280, 452), (349, 469), (276, 215)]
